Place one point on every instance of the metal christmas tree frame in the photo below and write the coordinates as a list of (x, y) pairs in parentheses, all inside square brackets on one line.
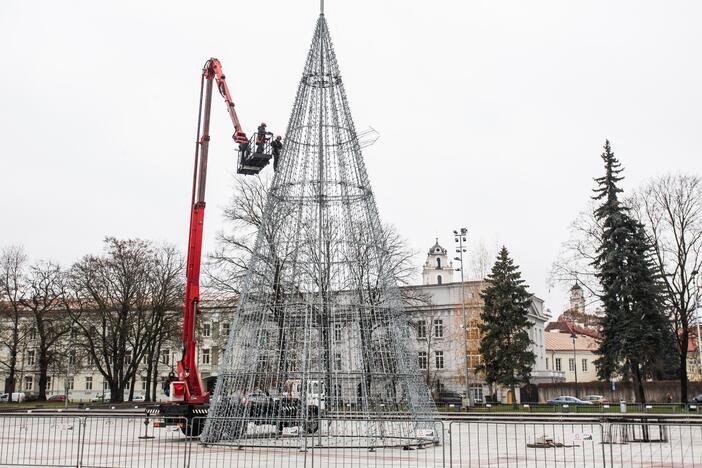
[(319, 343)]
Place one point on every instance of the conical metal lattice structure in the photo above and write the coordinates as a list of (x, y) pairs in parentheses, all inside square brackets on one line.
[(319, 334)]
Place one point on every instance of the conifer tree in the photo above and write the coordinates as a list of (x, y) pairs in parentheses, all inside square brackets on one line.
[(634, 329), (505, 344)]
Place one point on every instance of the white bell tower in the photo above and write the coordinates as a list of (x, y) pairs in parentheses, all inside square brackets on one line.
[(437, 269), (577, 298)]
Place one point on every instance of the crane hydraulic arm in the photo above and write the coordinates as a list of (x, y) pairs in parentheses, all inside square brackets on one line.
[(188, 389)]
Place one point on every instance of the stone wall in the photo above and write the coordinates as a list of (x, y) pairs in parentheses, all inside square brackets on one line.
[(655, 391)]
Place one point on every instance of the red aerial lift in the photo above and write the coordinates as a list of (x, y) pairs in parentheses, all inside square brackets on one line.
[(187, 396)]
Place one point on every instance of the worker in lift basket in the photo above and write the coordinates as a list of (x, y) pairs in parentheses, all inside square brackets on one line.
[(277, 146), (261, 137)]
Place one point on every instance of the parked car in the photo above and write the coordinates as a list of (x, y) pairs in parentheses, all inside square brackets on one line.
[(17, 397), (102, 397), (697, 399), (56, 398), (596, 399), (445, 398), (568, 400), (139, 398)]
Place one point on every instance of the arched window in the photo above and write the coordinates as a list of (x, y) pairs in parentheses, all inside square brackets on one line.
[(438, 279), (438, 263)]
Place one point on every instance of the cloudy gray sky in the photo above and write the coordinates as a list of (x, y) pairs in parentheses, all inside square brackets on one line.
[(491, 113)]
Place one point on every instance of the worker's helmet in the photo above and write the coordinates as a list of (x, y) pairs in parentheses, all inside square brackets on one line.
[(263, 124)]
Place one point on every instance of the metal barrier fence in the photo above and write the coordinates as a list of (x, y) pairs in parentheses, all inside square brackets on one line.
[(114, 441), (611, 443), (614, 407), (335, 441)]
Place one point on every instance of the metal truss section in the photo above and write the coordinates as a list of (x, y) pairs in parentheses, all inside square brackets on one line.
[(319, 332)]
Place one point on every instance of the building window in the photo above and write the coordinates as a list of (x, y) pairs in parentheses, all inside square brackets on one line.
[(88, 383), (439, 359), (558, 364), (337, 362), (30, 358), (477, 394), (337, 331), (571, 364), (546, 363), (438, 265), (421, 329), (74, 333), (48, 382), (206, 329), (72, 358), (89, 360), (264, 338), (143, 383), (422, 360), (166, 356), (226, 328), (438, 279), (32, 333), (584, 365), (69, 383), (205, 356), (28, 383), (473, 332), (438, 328), (474, 360)]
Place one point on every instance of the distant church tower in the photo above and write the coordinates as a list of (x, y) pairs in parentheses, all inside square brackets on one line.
[(437, 269), (577, 298)]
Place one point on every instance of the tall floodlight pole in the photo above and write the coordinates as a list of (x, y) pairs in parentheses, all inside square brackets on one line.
[(460, 238), (695, 281), (574, 337)]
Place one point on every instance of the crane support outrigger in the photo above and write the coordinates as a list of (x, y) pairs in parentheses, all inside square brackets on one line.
[(187, 396)]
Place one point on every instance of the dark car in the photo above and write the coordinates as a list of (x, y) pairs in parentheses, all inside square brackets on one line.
[(697, 399), (445, 398), (568, 400)]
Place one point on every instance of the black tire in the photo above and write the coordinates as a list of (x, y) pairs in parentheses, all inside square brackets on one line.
[(193, 428), (311, 426), (312, 423)]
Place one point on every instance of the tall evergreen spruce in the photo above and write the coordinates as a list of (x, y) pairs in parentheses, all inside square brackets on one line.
[(634, 328), (505, 344)]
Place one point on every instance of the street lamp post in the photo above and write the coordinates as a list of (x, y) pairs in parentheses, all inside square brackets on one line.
[(573, 337), (460, 238)]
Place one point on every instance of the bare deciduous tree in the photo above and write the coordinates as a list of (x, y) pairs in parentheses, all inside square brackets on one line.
[(166, 290), (43, 300), (108, 304), (243, 217), (13, 264), (577, 254), (481, 259), (671, 209)]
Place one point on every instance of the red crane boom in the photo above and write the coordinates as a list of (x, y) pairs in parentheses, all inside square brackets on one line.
[(188, 389)]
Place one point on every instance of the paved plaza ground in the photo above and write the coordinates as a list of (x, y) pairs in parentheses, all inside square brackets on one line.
[(116, 442)]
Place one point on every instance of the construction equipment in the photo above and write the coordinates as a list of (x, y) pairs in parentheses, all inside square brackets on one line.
[(187, 396)]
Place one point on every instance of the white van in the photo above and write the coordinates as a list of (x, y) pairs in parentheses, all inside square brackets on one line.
[(17, 397), (315, 392)]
